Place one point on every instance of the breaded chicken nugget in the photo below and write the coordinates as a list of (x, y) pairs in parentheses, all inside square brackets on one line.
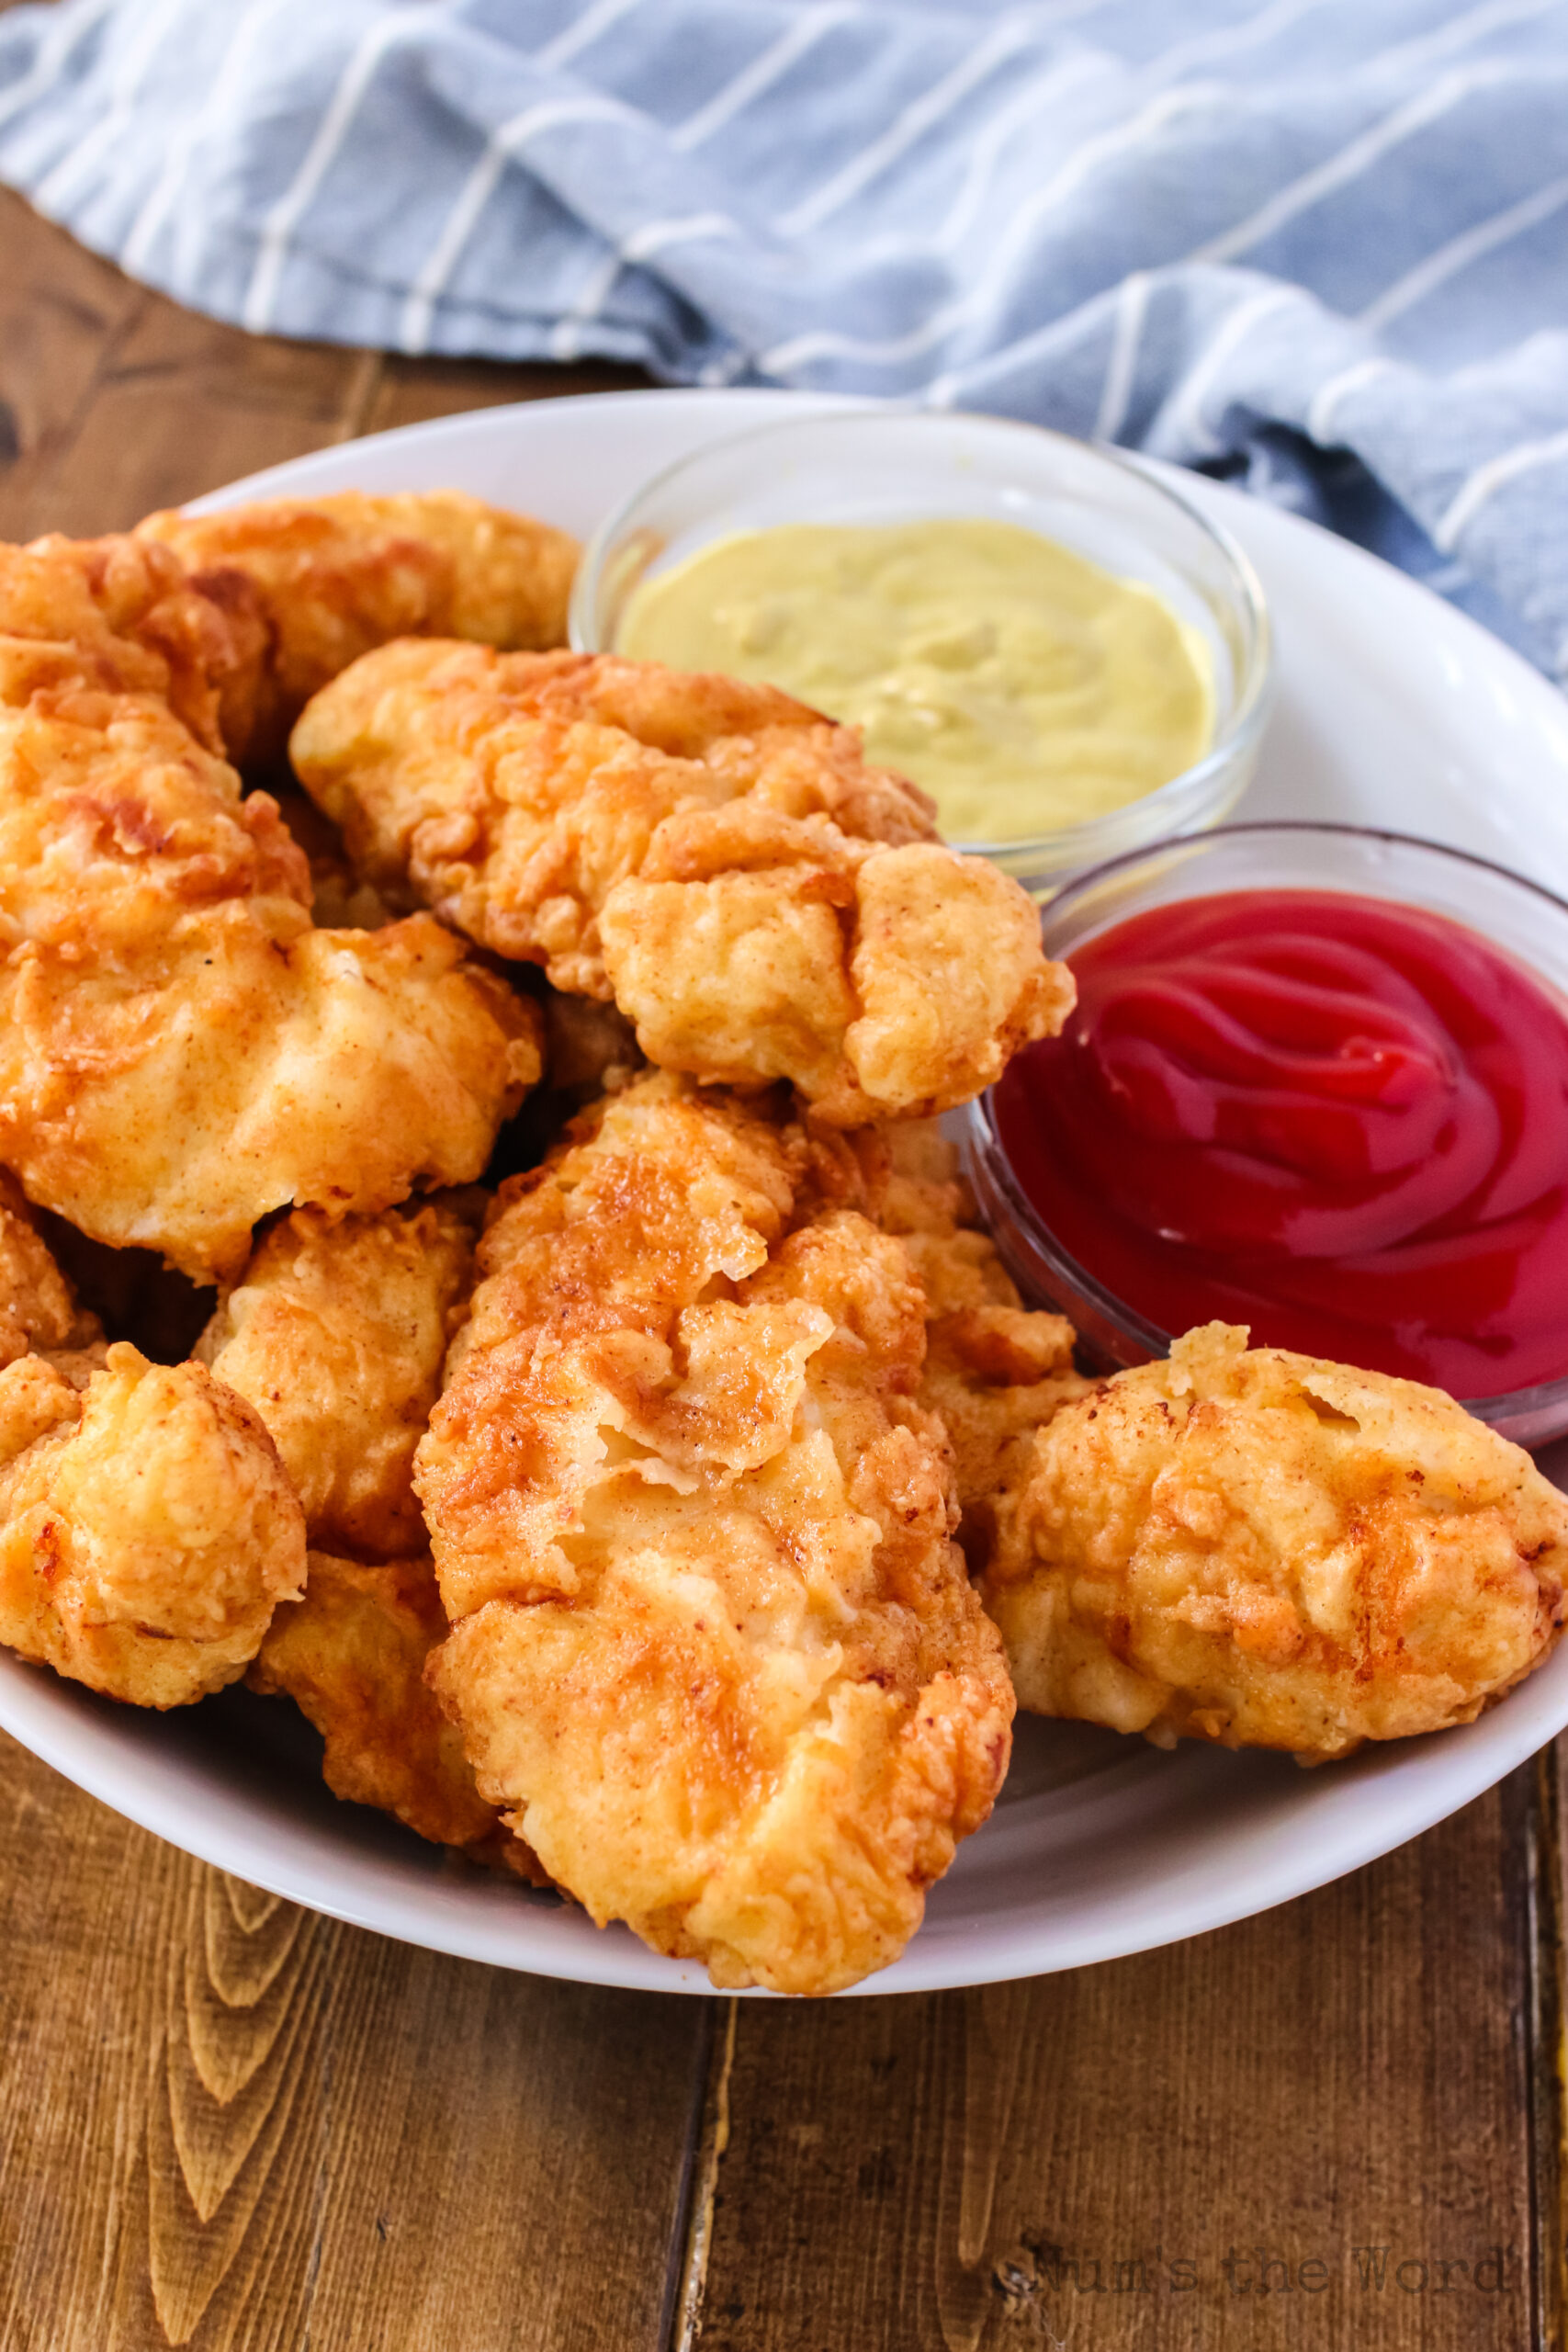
[(351, 1654), (239, 1065), (147, 1528), (334, 576), (715, 857), (336, 1333), (1252, 1547), (713, 1645), (118, 614), (181, 1052), (114, 821)]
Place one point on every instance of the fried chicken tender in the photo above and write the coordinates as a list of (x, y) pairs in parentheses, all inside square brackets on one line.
[(350, 1655), (336, 1333), (713, 855), (332, 577), (118, 614), (239, 1066), (181, 1052), (995, 1370), (713, 1647), (147, 1529), (114, 822), (1251, 1546)]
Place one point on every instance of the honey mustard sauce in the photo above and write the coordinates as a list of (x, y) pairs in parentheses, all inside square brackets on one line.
[(1025, 688)]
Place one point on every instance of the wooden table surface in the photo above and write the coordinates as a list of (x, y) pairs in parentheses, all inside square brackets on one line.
[(225, 2122)]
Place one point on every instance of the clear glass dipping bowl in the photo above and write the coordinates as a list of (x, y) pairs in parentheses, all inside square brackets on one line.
[(886, 465), (1525, 920)]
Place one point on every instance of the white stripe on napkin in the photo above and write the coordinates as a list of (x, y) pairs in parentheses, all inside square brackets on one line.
[(1461, 251), (751, 83), (1494, 476), (67, 176), (331, 132)]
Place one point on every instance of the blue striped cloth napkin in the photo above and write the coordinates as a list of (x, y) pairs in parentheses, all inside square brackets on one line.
[(1323, 248)]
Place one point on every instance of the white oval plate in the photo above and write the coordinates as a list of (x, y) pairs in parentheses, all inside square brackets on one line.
[(1394, 709)]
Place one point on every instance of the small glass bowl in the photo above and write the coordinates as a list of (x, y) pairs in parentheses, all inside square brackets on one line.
[(871, 465), (1526, 921)]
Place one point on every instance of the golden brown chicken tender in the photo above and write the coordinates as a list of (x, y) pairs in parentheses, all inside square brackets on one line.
[(118, 614), (149, 1573), (147, 1529), (1254, 1547), (713, 1645), (715, 857), (336, 1333), (334, 576), (114, 821), (351, 1654), (181, 1052), (239, 1064)]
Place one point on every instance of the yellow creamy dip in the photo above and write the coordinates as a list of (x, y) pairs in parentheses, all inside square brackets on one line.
[(1022, 687)]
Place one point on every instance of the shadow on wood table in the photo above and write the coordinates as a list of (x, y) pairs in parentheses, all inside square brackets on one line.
[(227, 2123)]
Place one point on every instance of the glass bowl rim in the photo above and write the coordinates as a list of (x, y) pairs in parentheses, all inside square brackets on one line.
[(1255, 680), (980, 1140)]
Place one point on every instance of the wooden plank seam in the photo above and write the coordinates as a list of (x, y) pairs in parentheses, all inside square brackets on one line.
[(712, 2144)]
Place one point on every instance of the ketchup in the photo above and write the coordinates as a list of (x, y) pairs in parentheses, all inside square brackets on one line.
[(1338, 1119)]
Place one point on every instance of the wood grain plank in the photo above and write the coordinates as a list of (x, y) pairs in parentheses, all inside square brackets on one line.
[(114, 400), (1549, 2039), (183, 404), (1128, 2156), (410, 390), (60, 311), (227, 2123)]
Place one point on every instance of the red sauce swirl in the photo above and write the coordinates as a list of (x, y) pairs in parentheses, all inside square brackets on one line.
[(1338, 1119)]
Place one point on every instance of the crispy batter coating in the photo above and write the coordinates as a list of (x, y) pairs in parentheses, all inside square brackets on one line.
[(120, 614), (241, 1065), (336, 1333), (147, 1529), (334, 576), (1254, 1547), (146, 1525), (995, 1372), (114, 822), (351, 1654), (180, 1051), (718, 858), (713, 1645)]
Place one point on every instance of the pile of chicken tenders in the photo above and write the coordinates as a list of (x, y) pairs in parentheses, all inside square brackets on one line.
[(609, 1426)]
